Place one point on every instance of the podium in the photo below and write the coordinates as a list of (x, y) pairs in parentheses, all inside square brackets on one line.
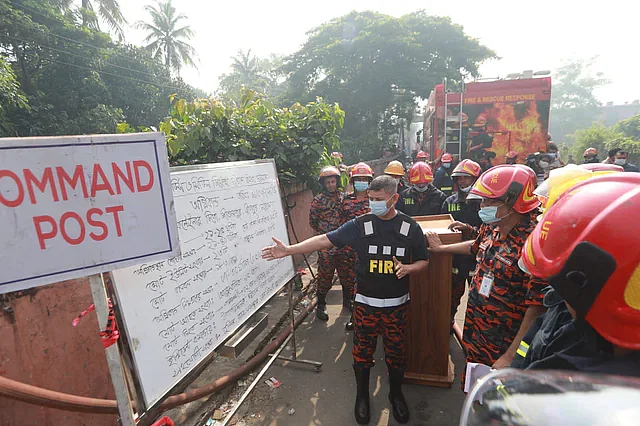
[(427, 341)]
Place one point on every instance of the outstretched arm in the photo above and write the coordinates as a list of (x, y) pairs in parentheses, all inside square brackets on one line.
[(319, 242)]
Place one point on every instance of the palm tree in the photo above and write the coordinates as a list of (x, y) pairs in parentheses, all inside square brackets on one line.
[(166, 39), (245, 65), (108, 11)]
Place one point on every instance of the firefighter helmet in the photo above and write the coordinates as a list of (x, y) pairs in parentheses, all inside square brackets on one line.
[(362, 170), (590, 151), (602, 167), (481, 121), (467, 168), (394, 168), (420, 173), (446, 158), (337, 154), (512, 183), (328, 171), (512, 154), (586, 253), (422, 154)]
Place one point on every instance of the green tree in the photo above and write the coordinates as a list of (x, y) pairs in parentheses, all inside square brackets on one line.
[(597, 136), (263, 75), (210, 130), (573, 101), (376, 66), (167, 37), (106, 10), (11, 97)]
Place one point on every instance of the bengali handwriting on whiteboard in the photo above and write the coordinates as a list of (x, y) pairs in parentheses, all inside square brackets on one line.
[(192, 302)]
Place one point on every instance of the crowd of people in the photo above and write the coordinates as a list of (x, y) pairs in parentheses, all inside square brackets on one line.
[(553, 274)]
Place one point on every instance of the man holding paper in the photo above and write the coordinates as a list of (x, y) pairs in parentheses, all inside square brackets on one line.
[(390, 246)]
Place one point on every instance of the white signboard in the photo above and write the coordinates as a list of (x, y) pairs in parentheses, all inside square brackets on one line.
[(176, 312), (74, 206)]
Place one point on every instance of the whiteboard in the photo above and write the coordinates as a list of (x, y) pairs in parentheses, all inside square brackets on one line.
[(176, 312)]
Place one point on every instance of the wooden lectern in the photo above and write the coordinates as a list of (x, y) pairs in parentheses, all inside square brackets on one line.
[(427, 342)]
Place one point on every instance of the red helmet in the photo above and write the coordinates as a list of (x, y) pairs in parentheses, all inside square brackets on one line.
[(512, 154), (422, 154), (420, 173), (362, 170), (590, 151), (481, 120), (446, 158), (328, 172), (602, 167), (512, 183), (467, 168), (587, 248), (337, 154)]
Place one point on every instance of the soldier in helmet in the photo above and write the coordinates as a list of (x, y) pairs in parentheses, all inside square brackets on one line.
[(326, 215), (503, 301), (593, 264), (442, 179), (356, 204), (395, 169), (465, 213), (421, 198)]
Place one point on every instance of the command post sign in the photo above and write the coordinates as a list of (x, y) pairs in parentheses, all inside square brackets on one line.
[(74, 206)]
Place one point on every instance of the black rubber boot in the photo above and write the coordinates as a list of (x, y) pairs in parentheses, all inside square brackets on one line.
[(349, 325), (321, 309), (361, 410), (398, 403)]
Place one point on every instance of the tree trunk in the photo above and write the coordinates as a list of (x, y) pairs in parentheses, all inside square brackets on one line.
[(85, 6)]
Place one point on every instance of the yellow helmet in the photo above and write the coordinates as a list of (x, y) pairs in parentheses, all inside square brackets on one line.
[(561, 180), (394, 168)]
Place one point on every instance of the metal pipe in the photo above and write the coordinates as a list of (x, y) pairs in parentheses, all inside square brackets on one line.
[(256, 380), (64, 401)]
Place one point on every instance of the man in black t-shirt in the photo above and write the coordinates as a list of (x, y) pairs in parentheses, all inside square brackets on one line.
[(390, 246)]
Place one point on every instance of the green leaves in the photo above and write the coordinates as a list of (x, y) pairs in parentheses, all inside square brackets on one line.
[(208, 130)]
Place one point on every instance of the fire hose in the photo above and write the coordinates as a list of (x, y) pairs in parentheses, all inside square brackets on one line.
[(64, 401)]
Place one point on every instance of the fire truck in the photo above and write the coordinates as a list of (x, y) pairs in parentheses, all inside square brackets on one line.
[(489, 118)]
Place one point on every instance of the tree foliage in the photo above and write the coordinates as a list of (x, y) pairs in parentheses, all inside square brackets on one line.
[(263, 75), (376, 66), (168, 37), (75, 79), (210, 130), (625, 135), (573, 101)]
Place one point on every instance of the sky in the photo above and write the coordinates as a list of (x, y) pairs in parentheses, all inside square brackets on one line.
[(535, 35)]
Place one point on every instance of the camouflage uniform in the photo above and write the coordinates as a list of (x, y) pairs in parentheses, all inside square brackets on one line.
[(465, 211), (492, 322), (351, 209), (327, 215), (391, 323)]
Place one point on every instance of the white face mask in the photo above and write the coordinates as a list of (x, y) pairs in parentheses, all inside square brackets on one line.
[(543, 164), (467, 189), (620, 161), (421, 189)]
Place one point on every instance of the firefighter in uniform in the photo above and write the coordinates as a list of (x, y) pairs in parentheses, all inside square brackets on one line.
[(326, 215), (590, 156), (511, 157), (442, 179), (593, 263), (465, 213), (356, 204), (421, 198), (387, 242), (395, 169), (503, 301)]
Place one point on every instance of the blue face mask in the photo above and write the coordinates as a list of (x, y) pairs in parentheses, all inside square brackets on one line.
[(446, 165), (489, 214), (360, 186), (379, 208)]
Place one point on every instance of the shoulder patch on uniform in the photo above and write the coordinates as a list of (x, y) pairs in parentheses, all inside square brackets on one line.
[(404, 229), (368, 228)]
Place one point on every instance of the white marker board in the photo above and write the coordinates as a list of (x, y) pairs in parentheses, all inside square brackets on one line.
[(176, 312)]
